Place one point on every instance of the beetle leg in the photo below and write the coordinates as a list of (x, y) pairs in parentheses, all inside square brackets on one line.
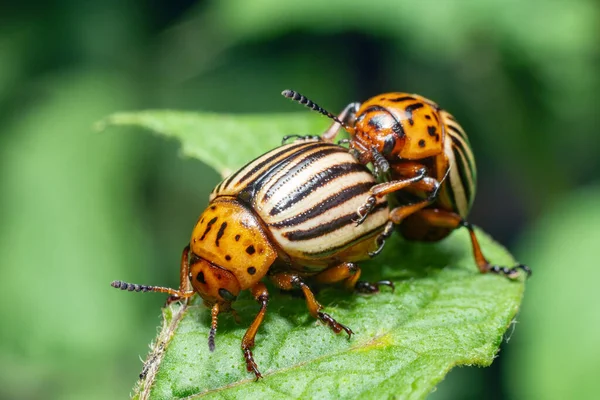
[(428, 185), (383, 189), (349, 273), (383, 236), (347, 116), (287, 281), (300, 137), (365, 209), (182, 293), (260, 294), (446, 219), (409, 168)]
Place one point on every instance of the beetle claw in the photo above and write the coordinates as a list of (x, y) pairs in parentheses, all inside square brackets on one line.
[(368, 287), (511, 273)]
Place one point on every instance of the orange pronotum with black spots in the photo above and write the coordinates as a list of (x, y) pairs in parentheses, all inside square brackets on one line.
[(287, 215), (425, 158)]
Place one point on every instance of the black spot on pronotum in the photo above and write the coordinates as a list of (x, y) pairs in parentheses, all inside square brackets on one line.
[(250, 249), (228, 257), (220, 233), (237, 237), (431, 130), (200, 277), (375, 122), (208, 227), (226, 294), (428, 117), (421, 143), (404, 98), (410, 109), (251, 270)]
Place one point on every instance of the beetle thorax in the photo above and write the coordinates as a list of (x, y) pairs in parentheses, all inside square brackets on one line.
[(228, 235), (399, 125)]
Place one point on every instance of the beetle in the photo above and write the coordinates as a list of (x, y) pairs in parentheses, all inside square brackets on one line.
[(426, 159), (287, 215)]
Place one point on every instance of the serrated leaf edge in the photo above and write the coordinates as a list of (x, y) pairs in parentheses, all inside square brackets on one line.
[(171, 319)]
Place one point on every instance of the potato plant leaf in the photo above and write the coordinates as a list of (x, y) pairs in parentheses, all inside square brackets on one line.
[(443, 313)]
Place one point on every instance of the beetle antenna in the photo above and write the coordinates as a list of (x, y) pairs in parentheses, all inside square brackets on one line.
[(213, 327), (134, 287), (382, 166), (300, 98)]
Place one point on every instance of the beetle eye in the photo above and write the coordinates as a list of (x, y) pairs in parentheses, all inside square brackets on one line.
[(388, 144)]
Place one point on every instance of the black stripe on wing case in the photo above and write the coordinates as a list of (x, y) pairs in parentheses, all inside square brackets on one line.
[(331, 202), (292, 148), (248, 193), (333, 250), (300, 166), (328, 227), (316, 181), (469, 161), (465, 181)]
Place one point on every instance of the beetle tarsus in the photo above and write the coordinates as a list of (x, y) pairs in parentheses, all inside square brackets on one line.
[(511, 273), (300, 137), (333, 324), (251, 364), (368, 287), (364, 210), (387, 232), (172, 299)]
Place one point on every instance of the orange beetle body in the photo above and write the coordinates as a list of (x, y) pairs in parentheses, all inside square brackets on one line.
[(401, 127), (425, 158), (398, 124)]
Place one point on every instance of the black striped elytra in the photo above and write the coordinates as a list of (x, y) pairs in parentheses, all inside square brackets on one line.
[(307, 193), (425, 158), (290, 215)]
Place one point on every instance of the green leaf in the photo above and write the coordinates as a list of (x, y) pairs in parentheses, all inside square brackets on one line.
[(442, 314), (225, 142)]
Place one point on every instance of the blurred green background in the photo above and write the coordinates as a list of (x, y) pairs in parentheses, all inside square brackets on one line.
[(79, 208)]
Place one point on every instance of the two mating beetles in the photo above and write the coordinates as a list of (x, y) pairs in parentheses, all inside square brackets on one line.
[(426, 158), (306, 212), (289, 215)]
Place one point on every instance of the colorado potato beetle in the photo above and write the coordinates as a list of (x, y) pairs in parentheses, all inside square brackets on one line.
[(287, 215), (426, 159)]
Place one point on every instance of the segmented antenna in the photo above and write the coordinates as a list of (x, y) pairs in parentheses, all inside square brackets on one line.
[(381, 164), (211, 339), (213, 327), (132, 287), (300, 98)]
